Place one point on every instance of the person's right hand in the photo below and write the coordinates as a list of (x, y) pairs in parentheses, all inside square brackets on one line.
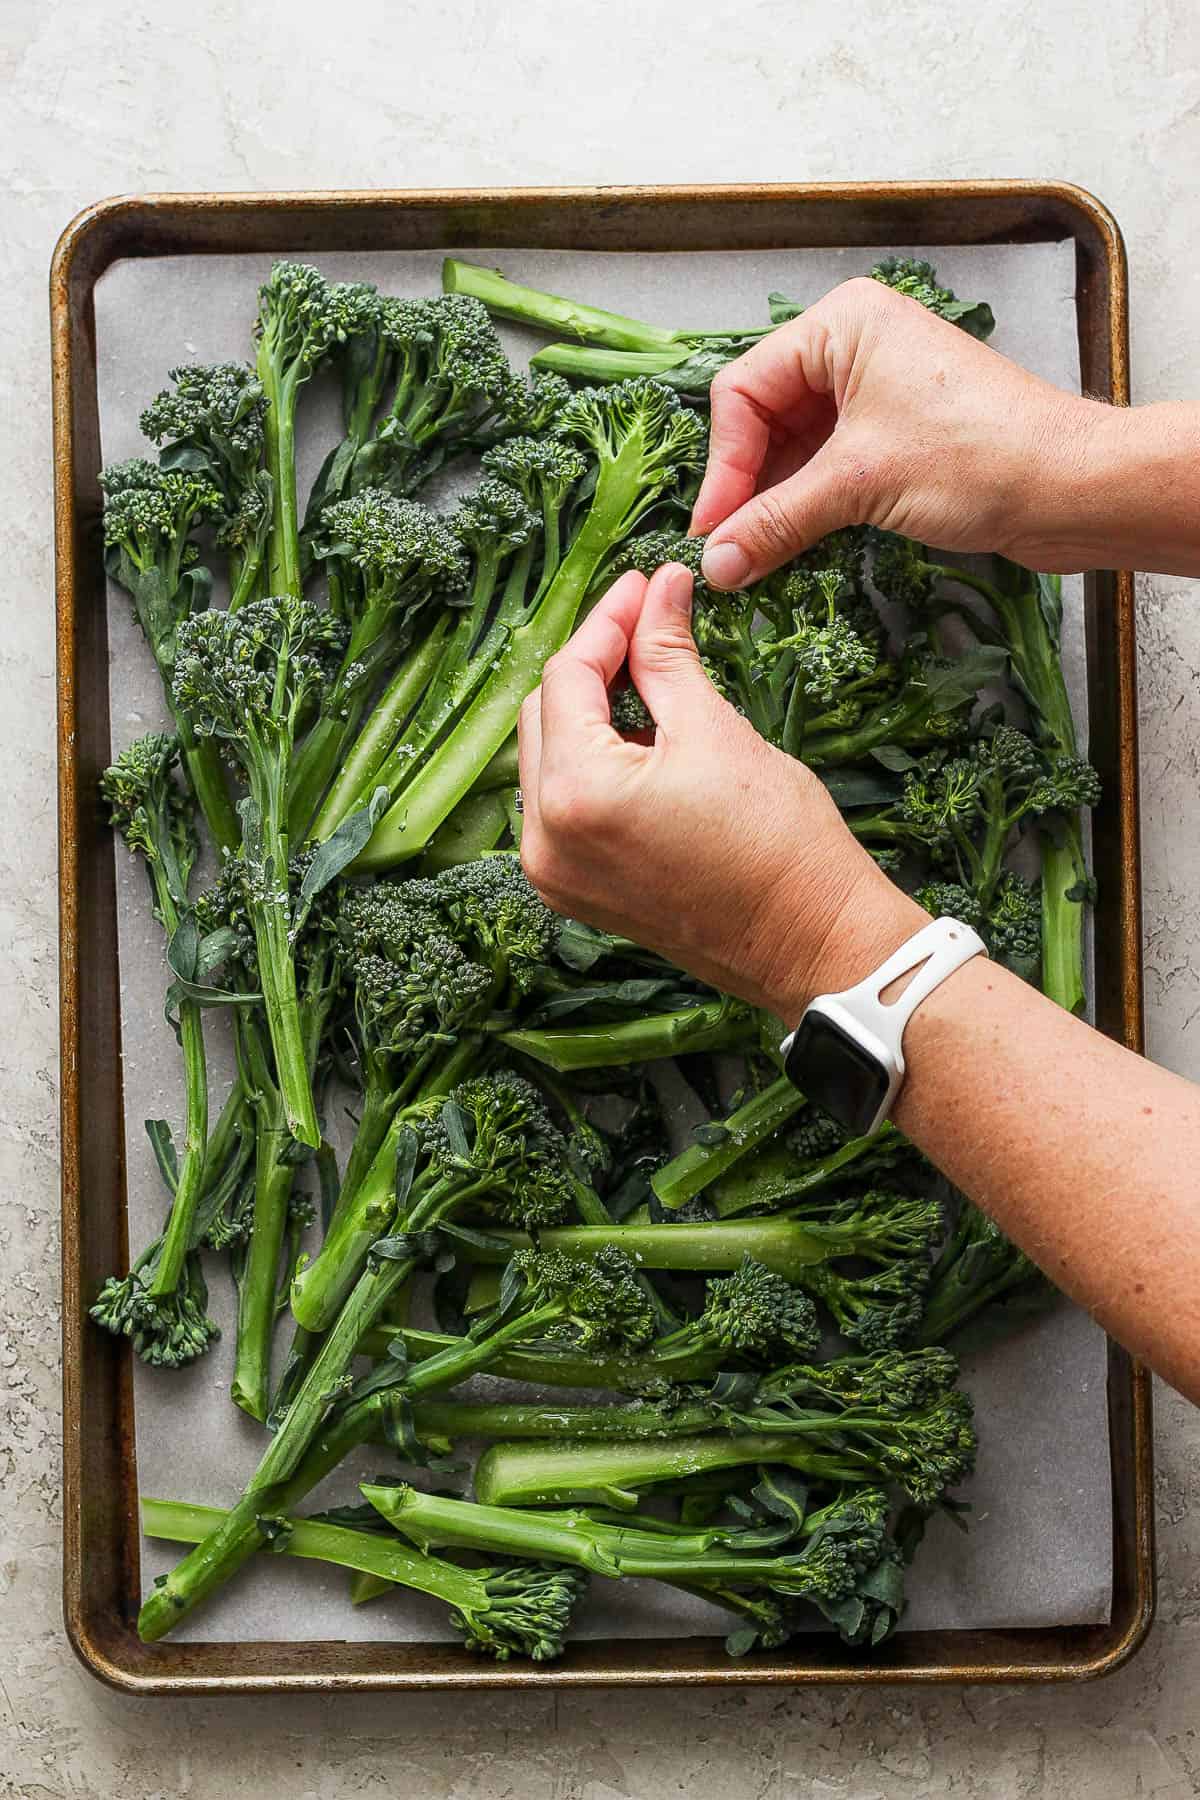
[(867, 409)]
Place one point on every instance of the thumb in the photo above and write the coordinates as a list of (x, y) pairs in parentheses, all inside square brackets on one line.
[(663, 660), (777, 524)]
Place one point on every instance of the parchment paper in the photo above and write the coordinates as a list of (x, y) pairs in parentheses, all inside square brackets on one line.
[(1039, 1548)]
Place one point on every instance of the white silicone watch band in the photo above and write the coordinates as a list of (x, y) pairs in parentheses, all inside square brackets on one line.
[(935, 952)]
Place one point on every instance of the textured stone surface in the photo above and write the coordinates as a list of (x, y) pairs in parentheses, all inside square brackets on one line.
[(105, 97)]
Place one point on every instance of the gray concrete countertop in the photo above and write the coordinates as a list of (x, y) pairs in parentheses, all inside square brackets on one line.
[(114, 96)]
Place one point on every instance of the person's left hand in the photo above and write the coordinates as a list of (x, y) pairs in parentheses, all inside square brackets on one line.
[(708, 845)]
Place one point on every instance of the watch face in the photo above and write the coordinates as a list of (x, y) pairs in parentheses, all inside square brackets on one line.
[(836, 1073)]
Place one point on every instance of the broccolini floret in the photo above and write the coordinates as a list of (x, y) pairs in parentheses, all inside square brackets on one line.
[(248, 679)]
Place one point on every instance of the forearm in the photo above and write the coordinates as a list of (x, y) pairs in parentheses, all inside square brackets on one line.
[(1084, 1153), (1120, 488)]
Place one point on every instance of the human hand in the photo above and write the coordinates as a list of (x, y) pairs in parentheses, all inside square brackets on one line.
[(707, 845), (867, 409)]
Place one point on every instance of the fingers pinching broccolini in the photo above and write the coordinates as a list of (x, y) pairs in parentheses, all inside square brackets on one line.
[(744, 1340)]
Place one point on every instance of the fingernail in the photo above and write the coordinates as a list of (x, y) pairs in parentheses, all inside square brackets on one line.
[(725, 565), (677, 586)]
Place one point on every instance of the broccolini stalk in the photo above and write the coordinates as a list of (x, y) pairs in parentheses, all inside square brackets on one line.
[(388, 561), (508, 1609), (726, 1142), (258, 1275), (880, 1308), (894, 1417), (365, 1205), (451, 380), (612, 1474), (594, 1305), (827, 1568), (500, 533), (432, 962), (878, 1227), (149, 517), (721, 1024), (250, 1525), (932, 704), (475, 827), (356, 780), (650, 1371), (529, 306), (301, 318), (212, 424), (247, 679), (512, 1168), (792, 1173), (644, 444), (155, 1304), (1025, 622)]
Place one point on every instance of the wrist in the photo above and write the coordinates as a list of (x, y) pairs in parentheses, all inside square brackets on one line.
[(1105, 488), (827, 944)]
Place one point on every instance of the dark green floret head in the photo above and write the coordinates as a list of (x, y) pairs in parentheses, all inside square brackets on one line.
[(949, 900), (651, 550), (603, 1303), (493, 902), (629, 712), (880, 1310), (229, 665), (1014, 919), (145, 505), (388, 536), (542, 469), (891, 1382), (814, 1135), (1067, 783), (758, 1313), (221, 401), (302, 316), (900, 572), (495, 1130), (470, 356), (918, 279), (671, 439), (407, 326), (138, 785), (494, 519), (534, 405), (941, 794), (526, 1611), (165, 1332)]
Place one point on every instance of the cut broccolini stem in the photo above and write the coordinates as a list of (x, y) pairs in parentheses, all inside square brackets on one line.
[(610, 1474), (301, 318), (251, 1385), (521, 1609), (722, 1024), (154, 1304), (475, 827), (250, 1524), (691, 1172), (529, 306), (827, 1567)]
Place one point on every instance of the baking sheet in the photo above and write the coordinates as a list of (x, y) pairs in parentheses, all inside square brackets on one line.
[(1039, 1551)]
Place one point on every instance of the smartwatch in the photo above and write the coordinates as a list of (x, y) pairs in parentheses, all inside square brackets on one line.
[(846, 1054)]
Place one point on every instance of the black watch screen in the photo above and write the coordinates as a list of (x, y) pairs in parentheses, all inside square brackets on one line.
[(834, 1071)]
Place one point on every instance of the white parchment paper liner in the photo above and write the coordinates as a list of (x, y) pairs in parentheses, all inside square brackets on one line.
[(1039, 1548)]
